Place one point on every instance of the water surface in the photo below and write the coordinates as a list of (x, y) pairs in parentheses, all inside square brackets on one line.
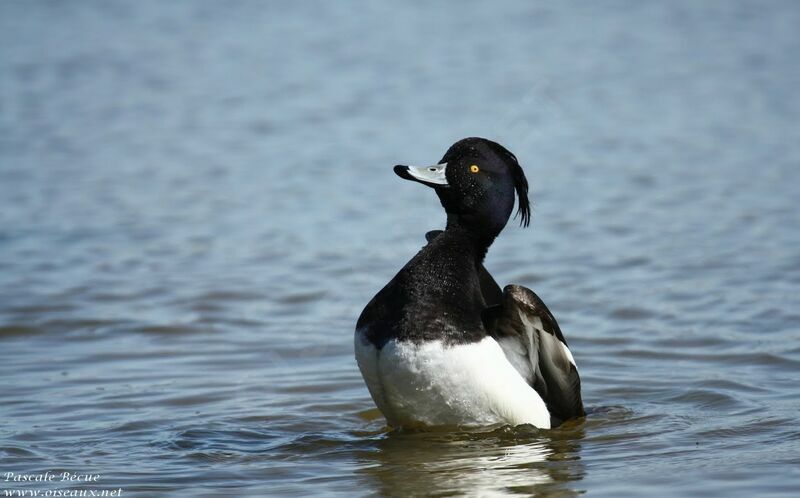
[(196, 202)]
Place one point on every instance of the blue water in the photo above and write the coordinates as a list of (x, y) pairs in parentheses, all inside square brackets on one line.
[(196, 202)]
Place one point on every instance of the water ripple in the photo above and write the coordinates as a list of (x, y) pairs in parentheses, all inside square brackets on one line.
[(197, 202)]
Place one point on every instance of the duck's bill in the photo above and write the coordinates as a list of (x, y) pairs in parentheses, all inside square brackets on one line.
[(432, 176)]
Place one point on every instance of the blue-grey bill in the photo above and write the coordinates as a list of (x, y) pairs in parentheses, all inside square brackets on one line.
[(431, 175)]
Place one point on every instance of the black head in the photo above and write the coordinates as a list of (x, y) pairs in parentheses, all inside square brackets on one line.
[(476, 180)]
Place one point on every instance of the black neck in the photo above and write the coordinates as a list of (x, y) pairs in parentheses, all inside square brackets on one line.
[(479, 239)]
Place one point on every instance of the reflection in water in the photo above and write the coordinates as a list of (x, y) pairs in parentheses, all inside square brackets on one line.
[(506, 461)]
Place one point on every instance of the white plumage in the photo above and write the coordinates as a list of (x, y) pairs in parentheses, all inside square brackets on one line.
[(432, 384)]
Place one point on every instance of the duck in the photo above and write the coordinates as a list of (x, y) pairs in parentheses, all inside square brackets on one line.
[(441, 344)]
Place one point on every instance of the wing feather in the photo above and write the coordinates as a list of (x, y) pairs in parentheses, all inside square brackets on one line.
[(534, 344)]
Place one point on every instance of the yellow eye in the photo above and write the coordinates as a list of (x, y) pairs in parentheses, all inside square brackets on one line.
[(474, 168)]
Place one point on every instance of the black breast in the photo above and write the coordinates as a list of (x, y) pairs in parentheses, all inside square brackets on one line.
[(436, 296)]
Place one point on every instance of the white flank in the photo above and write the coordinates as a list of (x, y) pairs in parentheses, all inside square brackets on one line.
[(434, 384), (517, 354)]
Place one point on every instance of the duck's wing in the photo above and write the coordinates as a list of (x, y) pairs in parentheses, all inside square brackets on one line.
[(492, 294), (534, 344)]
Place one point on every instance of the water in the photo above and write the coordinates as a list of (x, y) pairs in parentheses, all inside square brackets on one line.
[(196, 202)]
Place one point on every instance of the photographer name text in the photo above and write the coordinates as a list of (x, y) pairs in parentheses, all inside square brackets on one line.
[(51, 477)]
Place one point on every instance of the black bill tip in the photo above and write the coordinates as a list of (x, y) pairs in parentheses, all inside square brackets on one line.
[(402, 172)]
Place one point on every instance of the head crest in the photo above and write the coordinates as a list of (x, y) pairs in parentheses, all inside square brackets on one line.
[(520, 185)]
